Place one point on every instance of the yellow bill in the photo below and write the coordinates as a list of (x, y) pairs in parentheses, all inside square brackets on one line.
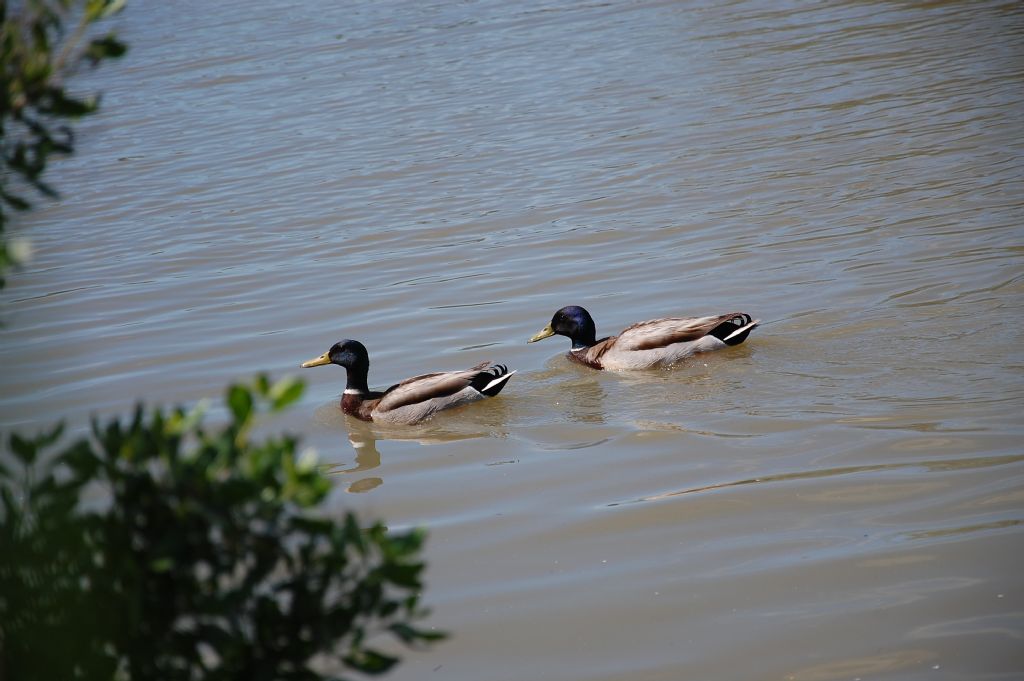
[(542, 334), (319, 361)]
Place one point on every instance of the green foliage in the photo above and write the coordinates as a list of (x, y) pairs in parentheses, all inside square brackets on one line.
[(160, 549), (37, 54)]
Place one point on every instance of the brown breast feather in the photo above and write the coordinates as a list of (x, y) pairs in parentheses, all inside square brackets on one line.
[(591, 357)]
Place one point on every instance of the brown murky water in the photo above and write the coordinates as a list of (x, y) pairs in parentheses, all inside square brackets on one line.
[(839, 498)]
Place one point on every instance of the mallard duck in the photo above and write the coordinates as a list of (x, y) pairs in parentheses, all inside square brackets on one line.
[(645, 345), (414, 399)]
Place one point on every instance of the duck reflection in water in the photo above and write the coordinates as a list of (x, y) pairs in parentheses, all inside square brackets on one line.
[(363, 437), (367, 458)]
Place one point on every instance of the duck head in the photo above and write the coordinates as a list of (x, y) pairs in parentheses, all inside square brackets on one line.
[(347, 353), (573, 322)]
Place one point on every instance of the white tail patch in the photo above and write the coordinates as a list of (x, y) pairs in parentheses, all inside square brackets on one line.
[(742, 329), (498, 380)]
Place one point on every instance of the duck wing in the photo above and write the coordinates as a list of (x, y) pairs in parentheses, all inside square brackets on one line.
[(426, 387), (660, 333)]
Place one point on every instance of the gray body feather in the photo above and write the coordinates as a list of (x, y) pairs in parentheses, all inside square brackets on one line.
[(658, 342), (420, 397)]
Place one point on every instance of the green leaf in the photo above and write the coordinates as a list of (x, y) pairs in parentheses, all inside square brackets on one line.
[(410, 635), (402, 575), (285, 392), (48, 439), (403, 631), (240, 403), (25, 450), (370, 661), (81, 460), (15, 202), (112, 8), (107, 47), (62, 105), (101, 9)]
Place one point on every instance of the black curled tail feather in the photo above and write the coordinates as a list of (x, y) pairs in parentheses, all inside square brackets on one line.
[(491, 381), (726, 330)]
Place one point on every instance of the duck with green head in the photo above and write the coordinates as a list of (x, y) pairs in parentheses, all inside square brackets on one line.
[(646, 345), (414, 399)]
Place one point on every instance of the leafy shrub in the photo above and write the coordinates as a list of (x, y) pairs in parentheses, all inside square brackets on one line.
[(160, 549), (42, 42)]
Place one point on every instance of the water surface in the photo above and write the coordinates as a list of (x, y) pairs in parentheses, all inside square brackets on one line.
[(838, 498)]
